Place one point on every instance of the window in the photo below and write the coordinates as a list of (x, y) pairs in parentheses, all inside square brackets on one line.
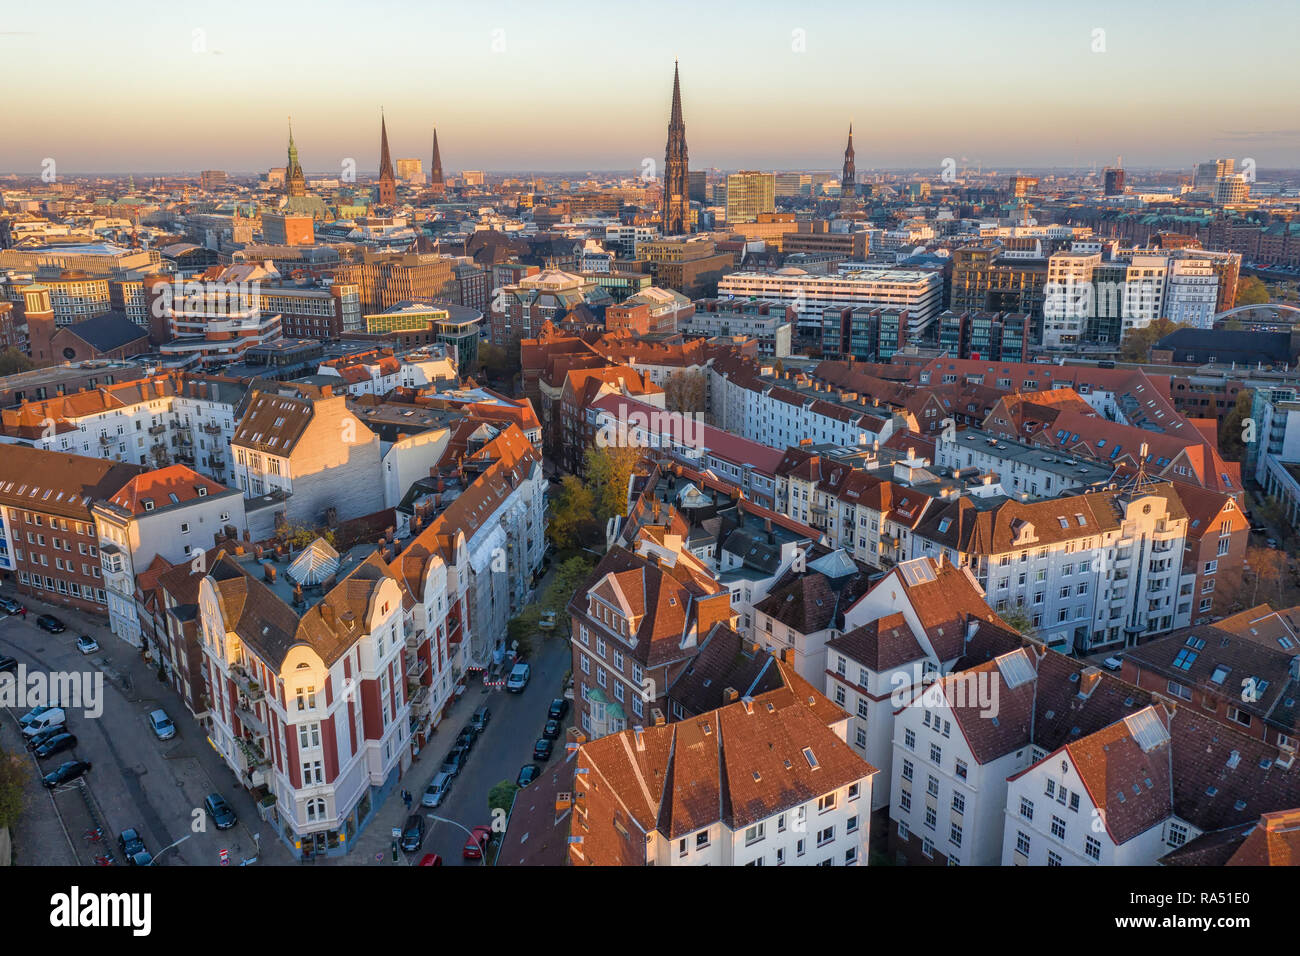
[(932, 786), (825, 803), (1022, 842), (909, 739), (1092, 847), (930, 817), (958, 803), (1058, 828), (1026, 808), (1053, 858), (755, 833), (907, 770), (1177, 834), (936, 753), (701, 839), (961, 769), (825, 836), (954, 835), (905, 800)]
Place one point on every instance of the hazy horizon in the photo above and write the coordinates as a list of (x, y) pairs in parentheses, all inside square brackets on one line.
[(187, 87)]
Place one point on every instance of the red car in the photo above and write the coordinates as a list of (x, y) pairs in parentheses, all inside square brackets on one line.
[(431, 859), (478, 843)]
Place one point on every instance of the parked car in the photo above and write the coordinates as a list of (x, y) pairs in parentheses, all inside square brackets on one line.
[(40, 738), (48, 622), (476, 845), (480, 719), (10, 606), (454, 761), (87, 644), (220, 812), (551, 730), (31, 715), (162, 725), (1112, 663), (430, 859), (559, 707), (54, 717), (527, 774), (66, 773), (542, 750), (131, 843), (467, 737), (56, 745), (8, 664), (437, 790), (518, 678), (413, 832)]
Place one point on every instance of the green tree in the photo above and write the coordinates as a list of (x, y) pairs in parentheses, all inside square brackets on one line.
[(501, 796), (1251, 291), (13, 777), (521, 629), (573, 505), (1231, 430), (13, 361), (1018, 620), (608, 470), (571, 575)]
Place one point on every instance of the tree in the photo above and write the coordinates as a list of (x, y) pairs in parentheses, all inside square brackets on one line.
[(1251, 291), (608, 470), (571, 575), (501, 797), (1232, 432), (521, 628), (299, 536), (686, 392), (498, 362), (13, 361), (573, 505), (13, 777), (1018, 620), (1137, 344)]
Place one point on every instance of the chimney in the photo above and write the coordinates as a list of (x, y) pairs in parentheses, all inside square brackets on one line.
[(1089, 678), (563, 801), (657, 716), (268, 571), (730, 695)]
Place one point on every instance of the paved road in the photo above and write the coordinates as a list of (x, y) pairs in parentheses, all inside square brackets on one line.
[(156, 787)]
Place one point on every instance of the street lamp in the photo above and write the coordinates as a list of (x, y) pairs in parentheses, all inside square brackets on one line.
[(168, 847), (468, 832)]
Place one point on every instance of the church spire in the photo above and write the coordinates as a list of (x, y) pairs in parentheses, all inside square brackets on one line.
[(676, 208), (848, 179), (435, 167), (295, 184), (387, 191)]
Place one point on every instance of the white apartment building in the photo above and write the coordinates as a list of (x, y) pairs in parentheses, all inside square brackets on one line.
[(1192, 292), (1068, 297)]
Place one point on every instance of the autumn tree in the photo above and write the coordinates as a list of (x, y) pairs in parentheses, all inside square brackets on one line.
[(608, 470), (1138, 342), (1233, 431), (1251, 291), (686, 392), (574, 504), (13, 361)]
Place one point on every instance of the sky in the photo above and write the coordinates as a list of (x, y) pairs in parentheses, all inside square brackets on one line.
[(148, 87)]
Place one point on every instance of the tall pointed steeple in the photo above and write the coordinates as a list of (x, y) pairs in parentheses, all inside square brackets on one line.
[(436, 183), (676, 208), (387, 191), (295, 184), (848, 179)]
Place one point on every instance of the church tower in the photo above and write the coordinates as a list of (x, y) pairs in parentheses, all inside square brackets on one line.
[(387, 190), (436, 183), (295, 184), (848, 179), (676, 209)]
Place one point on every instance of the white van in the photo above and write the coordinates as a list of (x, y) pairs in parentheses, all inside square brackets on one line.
[(50, 718)]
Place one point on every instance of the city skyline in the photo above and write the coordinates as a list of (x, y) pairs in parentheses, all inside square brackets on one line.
[(1033, 91)]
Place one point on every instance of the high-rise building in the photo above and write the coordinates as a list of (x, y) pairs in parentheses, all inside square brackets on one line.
[(1113, 181), (212, 178), (295, 184), (1208, 174), (697, 183), (436, 183), (748, 194), (1231, 188), (410, 170), (472, 177), (848, 179), (386, 191), (1022, 186), (676, 209), (793, 184)]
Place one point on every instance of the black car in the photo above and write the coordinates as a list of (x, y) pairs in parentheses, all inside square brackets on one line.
[(220, 811), (480, 719), (56, 745), (527, 774), (559, 707), (454, 761), (413, 833), (8, 664), (48, 622), (66, 773), (467, 737), (45, 736), (542, 750), (551, 730)]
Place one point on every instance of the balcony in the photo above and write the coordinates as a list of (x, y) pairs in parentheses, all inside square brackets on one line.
[(105, 440), (248, 688), (253, 753), (249, 720), (212, 428), (157, 429), (216, 461)]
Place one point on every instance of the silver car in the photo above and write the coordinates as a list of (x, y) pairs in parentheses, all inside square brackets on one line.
[(162, 725)]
